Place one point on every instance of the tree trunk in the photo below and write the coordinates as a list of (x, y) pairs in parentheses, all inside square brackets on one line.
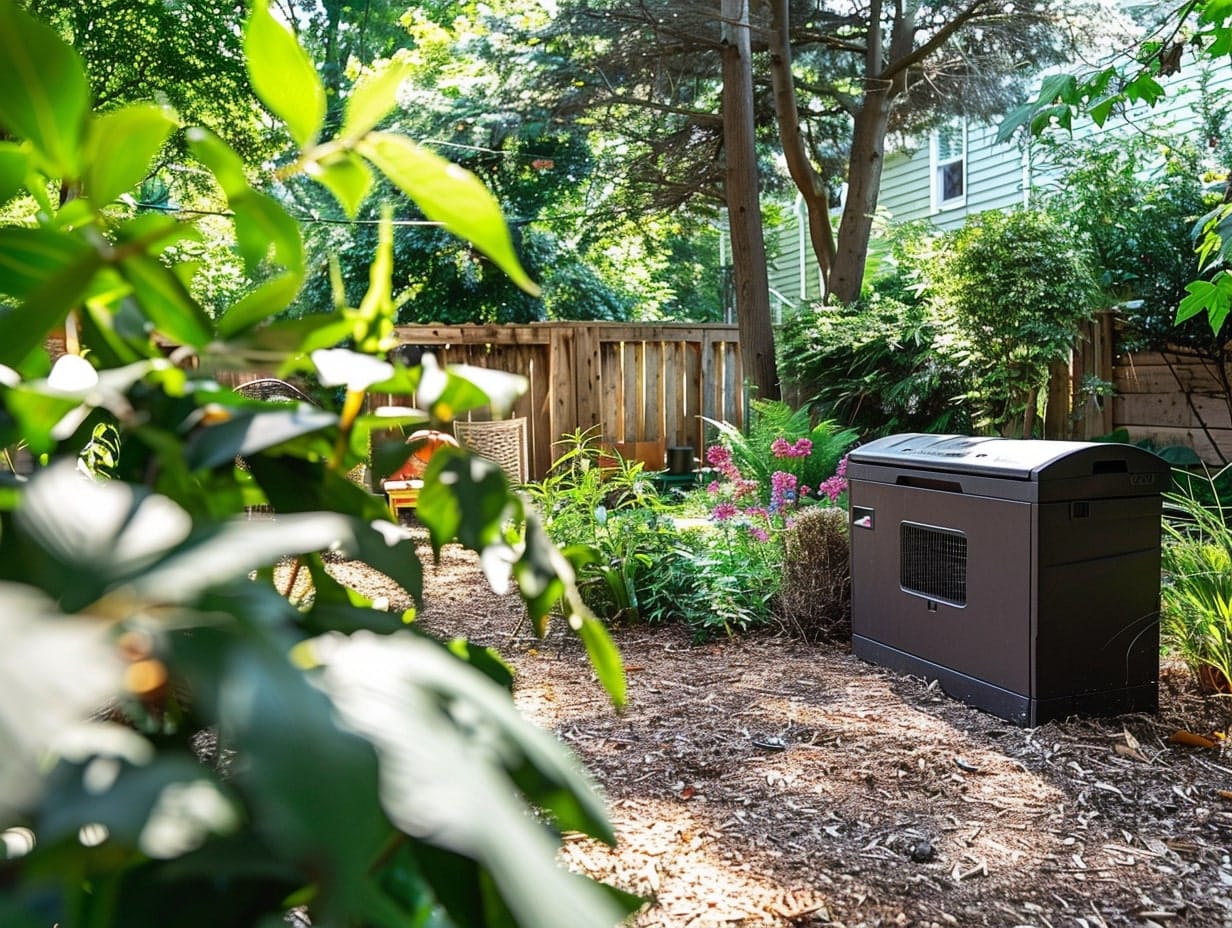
[(752, 289), (863, 186), (812, 187)]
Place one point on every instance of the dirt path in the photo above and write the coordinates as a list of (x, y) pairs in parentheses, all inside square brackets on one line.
[(766, 782)]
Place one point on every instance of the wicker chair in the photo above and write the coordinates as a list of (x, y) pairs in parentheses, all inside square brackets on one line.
[(500, 440), (274, 390)]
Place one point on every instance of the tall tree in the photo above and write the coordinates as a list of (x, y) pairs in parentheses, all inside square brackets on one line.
[(832, 85), (743, 203), (185, 54)]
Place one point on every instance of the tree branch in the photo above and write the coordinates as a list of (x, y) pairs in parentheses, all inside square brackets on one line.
[(900, 65)]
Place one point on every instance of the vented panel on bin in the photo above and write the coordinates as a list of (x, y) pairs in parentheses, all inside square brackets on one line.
[(933, 562)]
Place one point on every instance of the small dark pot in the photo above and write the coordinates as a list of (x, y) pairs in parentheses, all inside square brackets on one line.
[(680, 460)]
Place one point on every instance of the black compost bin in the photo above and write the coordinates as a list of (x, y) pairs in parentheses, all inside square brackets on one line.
[(1022, 575)]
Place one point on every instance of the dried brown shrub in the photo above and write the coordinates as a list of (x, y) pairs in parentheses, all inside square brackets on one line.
[(815, 600)]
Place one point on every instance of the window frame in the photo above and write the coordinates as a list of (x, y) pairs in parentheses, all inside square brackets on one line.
[(936, 166)]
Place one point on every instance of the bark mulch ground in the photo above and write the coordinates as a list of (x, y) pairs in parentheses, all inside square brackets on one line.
[(768, 782)]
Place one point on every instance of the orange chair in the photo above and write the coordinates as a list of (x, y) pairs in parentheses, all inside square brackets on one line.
[(403, 485)]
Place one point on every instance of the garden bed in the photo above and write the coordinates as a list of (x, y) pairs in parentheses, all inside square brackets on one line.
[(763, 781)]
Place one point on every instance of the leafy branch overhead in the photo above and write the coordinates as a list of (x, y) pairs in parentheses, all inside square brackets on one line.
[(367, 762), (1203, 27)]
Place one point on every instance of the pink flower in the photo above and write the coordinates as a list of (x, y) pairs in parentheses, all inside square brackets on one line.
[(802, 448), (723, 511), (743, 487), (841, 471), (833, 487), (718, 456), (759, 533), (782, 490), (780, 448)]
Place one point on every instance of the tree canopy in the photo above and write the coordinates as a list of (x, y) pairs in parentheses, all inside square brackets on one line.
[(830, 87)]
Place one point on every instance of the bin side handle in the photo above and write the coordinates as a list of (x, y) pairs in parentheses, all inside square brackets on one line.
[(928, 483)]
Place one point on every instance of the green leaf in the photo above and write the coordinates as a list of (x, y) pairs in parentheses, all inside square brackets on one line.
[(373, 97), (293, 336), (24, 329), (450, 195), (464, 497), (452, 787), (1214, 297), (44, 94), (221, 160), (347, 178), (29, 258), (604, 657), (166, 301), (262, 223), (283, 76), (119, 148), (270, 297), (139, 806), (247, 433), (14, 165)]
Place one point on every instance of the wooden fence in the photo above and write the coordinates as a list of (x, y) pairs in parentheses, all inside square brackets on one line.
[(1176, 397), (643, 387)]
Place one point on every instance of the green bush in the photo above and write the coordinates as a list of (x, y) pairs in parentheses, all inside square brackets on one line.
[(371, 774), (1011, 289), (872, 367), (1136, 205), (715, 579), (603, 510)]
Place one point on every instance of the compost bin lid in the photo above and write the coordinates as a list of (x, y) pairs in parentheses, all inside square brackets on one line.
[(1010, 458)]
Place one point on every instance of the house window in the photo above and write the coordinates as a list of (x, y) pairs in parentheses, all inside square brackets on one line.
[(949, 166)]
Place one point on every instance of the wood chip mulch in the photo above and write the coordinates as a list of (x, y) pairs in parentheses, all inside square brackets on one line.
[(764, 781)]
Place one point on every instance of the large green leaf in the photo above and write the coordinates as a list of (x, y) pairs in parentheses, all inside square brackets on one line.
[(56, 670), (165, 806), (283, 75), (166, 301), (31, 257), (44, 94), (347, 178), (14, 166), (322, 812), (246, 433), (24, 329), (465, 497), (270, 297), (373, 97), (217, 155), (450, 195), (262, 223), (449, 784), (119, 148)]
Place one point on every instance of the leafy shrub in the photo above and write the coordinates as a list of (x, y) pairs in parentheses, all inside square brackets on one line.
[(872, 367), (714, 579), (375, 775), (1011, 289), (1196, 596), (1137, 209), (815, 598), (601, 508)]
